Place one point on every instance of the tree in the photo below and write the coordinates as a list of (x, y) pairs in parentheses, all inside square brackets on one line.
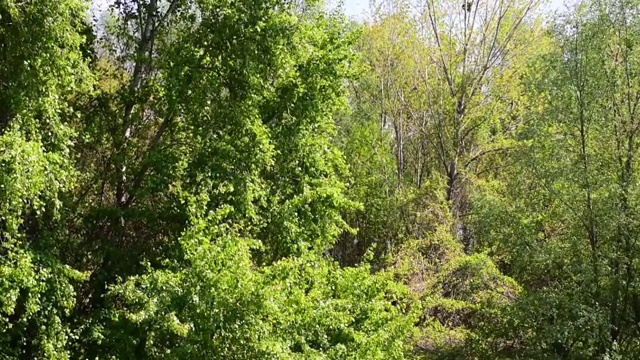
[(571, 198), (223, 135), (409, 214), (41, 66), (444, 79)]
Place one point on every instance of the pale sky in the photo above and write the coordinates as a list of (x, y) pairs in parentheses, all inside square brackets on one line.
[(358, 8)]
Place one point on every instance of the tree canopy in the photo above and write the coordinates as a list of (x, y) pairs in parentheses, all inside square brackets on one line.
[(269, 179)]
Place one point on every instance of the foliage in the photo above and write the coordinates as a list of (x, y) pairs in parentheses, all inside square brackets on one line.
[(570, 195), (221, 306), (41, 67), (170, 189), (267, 179)]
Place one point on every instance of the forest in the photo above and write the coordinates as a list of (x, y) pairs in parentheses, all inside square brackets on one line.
[(273, 179)]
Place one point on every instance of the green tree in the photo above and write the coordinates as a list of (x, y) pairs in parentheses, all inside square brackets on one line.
[(445, 75), (399, 138), (41, 66), (222, 306), (562, 221), (222, 134)]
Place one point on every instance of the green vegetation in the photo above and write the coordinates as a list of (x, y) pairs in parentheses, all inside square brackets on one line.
[(266, 179)]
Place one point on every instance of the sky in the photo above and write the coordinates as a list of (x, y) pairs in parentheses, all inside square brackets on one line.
[(358, 8), (355, 8)]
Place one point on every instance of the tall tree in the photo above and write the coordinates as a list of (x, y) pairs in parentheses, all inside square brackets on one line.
[(444, 78), (218, 118), (571, 197), (41, 67)]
